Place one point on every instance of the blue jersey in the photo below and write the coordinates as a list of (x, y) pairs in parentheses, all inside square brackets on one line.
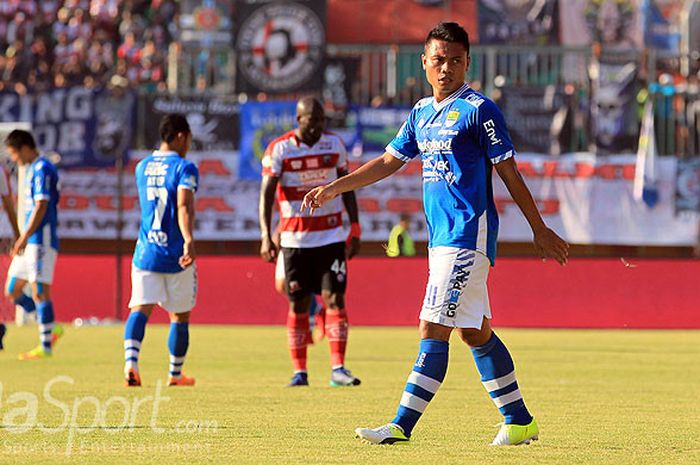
[(41, 183), (459, 140), (158, 178)]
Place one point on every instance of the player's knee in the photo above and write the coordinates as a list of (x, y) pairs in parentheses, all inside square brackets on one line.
[(12, 289), (180, 317), (41, 292), (145, 309), (475, 337), (334, 300), (300, 303)]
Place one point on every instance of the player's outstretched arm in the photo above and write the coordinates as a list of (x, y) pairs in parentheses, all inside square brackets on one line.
[(547, 243), (185, 218), (33, 224), (350, 203), (369, 173), (268, 249), (11, 214)]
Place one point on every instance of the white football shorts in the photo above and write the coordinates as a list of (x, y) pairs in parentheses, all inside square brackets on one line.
[(280, 272), (456, 295), (36, 264), (175, 292)]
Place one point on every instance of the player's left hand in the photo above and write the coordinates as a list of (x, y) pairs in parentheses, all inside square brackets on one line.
[(549, 245), (188, 255), (20, 245), (352, 247)]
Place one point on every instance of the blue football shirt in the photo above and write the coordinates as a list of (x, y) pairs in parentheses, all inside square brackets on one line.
[(41, 183), (459, 140), (158, 178)]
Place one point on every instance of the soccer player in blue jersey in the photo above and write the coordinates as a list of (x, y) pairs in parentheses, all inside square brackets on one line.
[(163, 271), (460, 136), (35, 251)]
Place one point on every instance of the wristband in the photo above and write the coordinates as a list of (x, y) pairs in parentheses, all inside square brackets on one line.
[(355, 230)]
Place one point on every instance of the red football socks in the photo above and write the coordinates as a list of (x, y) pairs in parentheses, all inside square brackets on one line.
[(297, 334), (337, 333)]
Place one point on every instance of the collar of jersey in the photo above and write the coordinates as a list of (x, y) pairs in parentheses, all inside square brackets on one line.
[(167, 153), (439, 106)]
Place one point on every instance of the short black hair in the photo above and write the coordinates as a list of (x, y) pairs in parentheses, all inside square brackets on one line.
[(171, 125), (449, 32), (20, 138)]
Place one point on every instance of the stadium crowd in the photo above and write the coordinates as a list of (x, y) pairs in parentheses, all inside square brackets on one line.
[(60, 43)]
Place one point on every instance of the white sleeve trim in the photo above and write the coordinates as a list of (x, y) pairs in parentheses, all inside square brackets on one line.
[(504, 157), (183, 186), (42, 197), (397, 154)]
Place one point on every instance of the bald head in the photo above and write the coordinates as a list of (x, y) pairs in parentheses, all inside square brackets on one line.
[(308, 105), (311, 119)]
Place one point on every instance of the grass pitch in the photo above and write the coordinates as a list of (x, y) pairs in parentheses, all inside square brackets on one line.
[(601, 397)]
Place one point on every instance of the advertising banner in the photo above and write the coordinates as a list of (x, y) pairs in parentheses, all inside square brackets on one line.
[(213, 120), (261, 123), (587, 199), (85, 127), (519, 22), (280, 45)]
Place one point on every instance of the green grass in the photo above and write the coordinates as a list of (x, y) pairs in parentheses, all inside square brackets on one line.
[(601, 397)]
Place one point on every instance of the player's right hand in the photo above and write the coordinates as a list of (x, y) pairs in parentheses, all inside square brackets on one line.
[(316, 197), (188, 255), (549, 245), (268, 250)]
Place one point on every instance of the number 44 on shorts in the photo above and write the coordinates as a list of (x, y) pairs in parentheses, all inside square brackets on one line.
[(338, 267)]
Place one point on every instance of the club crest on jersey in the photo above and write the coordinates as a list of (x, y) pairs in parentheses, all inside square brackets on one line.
[(451, 119), (327, 160)]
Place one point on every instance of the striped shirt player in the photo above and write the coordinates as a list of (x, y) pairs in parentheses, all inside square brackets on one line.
[(36, 250), (163, 270), (459, 136), (297, 166), (313, 247)]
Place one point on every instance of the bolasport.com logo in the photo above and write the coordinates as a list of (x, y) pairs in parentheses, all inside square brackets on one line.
[(71, 421)]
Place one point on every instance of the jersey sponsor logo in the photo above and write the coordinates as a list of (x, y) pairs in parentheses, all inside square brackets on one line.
[(296, 164), (474, 100), (435, 145), (490, 128), (314, 176), (437, 170), (447, 132), (423, 102), (312, 163), (452, 118), (460, 276), (324, 145)]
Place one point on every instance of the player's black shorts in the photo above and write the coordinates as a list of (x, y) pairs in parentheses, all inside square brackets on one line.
[(310, 270)]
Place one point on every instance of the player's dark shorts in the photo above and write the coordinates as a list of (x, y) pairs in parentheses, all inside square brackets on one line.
[(311, 270)]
